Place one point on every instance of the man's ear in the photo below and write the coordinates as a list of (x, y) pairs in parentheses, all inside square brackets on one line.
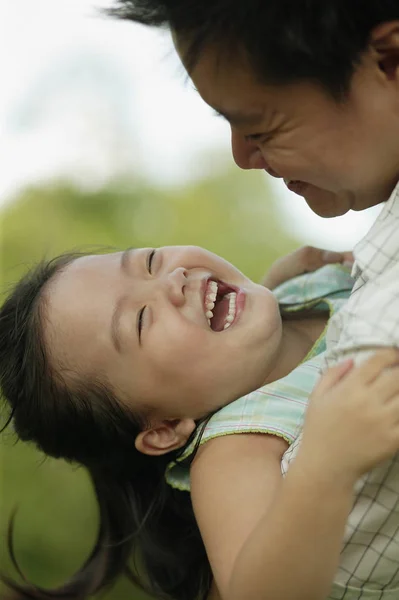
[(385, 41), (166, 436)]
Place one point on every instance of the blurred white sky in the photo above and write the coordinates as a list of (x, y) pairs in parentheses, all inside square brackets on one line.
[(89, 97)]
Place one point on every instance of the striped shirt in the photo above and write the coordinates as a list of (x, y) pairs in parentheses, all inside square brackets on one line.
[(369, 564)]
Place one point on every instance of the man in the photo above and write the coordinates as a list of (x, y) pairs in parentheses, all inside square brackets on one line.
[(310, 88), (311, 92)]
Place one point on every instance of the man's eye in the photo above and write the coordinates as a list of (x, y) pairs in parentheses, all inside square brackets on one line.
[(254, 137), (140, 318), (150, 259)]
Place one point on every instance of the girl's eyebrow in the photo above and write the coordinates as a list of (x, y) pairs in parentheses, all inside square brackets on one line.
[(125, 258), (115, 320), (125, 266)]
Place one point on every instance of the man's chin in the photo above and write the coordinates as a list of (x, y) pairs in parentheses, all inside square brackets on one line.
[(326, 204)]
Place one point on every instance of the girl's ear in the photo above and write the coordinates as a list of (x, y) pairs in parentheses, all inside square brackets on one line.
[(167, 436)]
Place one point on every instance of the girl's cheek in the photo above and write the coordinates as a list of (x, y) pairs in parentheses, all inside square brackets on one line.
[(192, 346), (171, 342)]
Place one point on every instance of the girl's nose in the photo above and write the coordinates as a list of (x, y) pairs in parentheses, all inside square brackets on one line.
[(246, 153), (176, 282)]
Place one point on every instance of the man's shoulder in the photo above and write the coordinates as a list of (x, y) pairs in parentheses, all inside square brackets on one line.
[(379, 248), (370, 318)]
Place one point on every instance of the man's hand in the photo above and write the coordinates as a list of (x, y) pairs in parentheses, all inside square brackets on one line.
[(303, 260), (352, 421)]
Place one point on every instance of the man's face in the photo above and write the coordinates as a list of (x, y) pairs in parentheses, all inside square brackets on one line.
[(337, 155)]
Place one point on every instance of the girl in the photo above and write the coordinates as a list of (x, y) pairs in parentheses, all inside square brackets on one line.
[(114, 361)]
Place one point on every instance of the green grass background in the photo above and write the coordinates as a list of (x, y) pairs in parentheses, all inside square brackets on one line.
[(231, 213)]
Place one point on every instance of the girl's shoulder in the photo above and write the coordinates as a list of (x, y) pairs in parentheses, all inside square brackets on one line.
[(276, 409), (325, 290)]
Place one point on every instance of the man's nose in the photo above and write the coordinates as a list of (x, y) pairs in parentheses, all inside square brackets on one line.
[(246, 153), (175, 284)]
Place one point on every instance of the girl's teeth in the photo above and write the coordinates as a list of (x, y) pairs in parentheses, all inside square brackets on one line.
[(232, 309), (210, 299), (210, 304), (232, 306), (213, 286)]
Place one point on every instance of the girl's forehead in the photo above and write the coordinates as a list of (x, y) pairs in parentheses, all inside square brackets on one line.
[(72, 290), (75, 322), (92, 260), (77, 272)]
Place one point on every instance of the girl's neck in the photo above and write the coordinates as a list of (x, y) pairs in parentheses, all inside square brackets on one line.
[(298, 338)]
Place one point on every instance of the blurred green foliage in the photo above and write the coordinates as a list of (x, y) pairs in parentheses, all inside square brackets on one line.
[(230, 213)]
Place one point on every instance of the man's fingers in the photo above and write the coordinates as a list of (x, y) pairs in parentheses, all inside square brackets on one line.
[(382, 369), (348, 258), (386, 384), (315, 258), (327, 256), (334, 374), (372, 368)]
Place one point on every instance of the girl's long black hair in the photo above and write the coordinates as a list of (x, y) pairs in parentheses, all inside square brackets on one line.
[(142, 519)]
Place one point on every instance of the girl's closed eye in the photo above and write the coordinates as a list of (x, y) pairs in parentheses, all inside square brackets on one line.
[(140, 320), (141, 313), (150, 260)]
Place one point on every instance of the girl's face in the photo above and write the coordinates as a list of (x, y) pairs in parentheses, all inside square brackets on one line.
[(143, 320)]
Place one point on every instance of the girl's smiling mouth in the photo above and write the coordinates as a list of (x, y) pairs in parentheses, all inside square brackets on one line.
[(222, 304)]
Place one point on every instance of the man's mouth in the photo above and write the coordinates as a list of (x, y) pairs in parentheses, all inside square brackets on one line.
[(220, 304), (296, 186)]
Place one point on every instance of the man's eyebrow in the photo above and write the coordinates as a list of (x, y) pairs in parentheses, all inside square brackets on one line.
[(124, 265), (239, 118)]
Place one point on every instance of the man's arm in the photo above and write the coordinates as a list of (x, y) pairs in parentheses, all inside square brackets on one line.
[(302, 260)]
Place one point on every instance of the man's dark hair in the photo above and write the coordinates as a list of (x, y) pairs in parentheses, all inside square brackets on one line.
[(286, 41)]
